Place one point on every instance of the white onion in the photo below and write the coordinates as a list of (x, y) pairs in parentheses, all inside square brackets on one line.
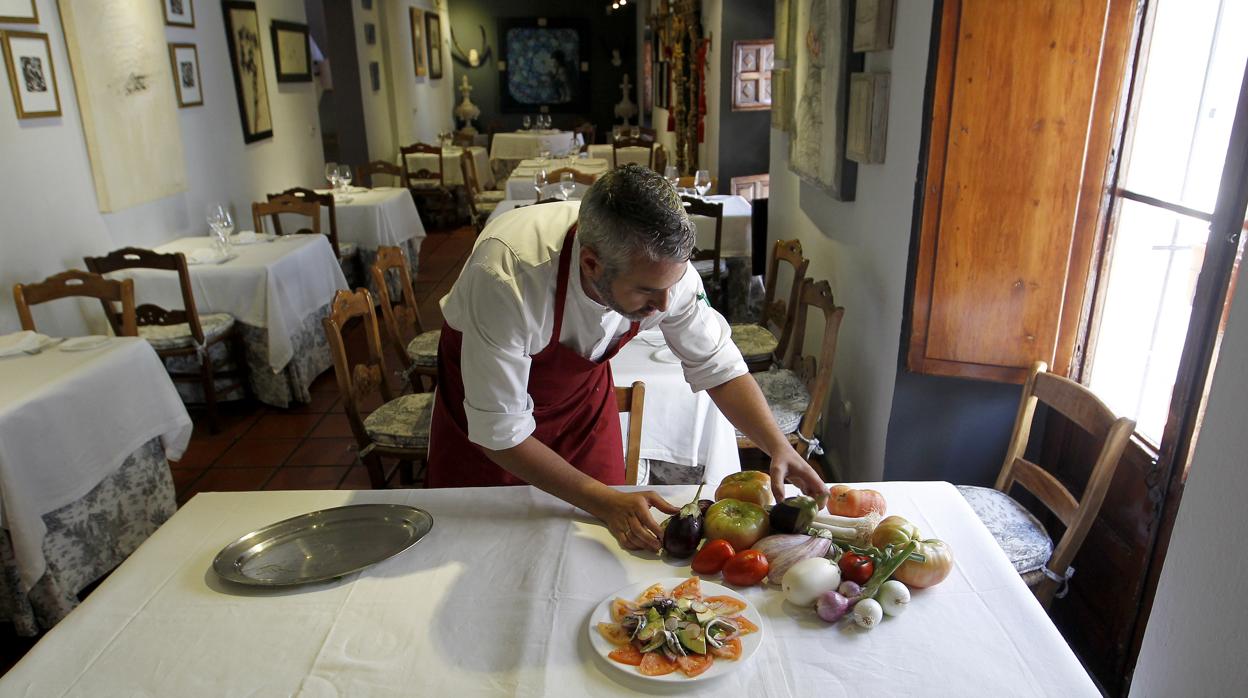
[(894, 597), (867, 613)]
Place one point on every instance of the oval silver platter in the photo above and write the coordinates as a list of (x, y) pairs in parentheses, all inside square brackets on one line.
[(322, 545)]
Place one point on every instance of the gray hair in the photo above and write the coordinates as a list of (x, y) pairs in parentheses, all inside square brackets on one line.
[(632, 210)]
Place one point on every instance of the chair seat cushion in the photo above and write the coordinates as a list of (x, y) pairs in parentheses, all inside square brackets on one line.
[(403, 422), (486, 206), (491, 196), (179, 336), (787, 397), (754, 341), (423, 350), (424, 183), (347, 249), (1016, 530), (706, 267)]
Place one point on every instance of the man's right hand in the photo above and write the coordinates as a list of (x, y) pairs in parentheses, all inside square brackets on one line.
[(627, 515)]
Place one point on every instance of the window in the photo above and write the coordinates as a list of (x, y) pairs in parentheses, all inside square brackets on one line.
[(751, 74)]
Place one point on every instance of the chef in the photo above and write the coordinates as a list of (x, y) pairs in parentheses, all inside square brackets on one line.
[(549, 294)]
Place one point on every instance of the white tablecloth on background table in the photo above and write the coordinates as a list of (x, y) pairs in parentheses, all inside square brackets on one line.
[(67, 421), (678, 425), (518, 145), (630, 154), (520, 183), (735, 240), (497, 600), (274, 285), (451, 154), (374, 217)]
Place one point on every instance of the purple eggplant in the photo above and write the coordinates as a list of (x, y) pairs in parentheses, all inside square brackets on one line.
[(684, 530)]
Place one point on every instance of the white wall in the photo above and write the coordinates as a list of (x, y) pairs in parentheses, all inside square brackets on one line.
[(50, 214), (421, 108), (861, 248)]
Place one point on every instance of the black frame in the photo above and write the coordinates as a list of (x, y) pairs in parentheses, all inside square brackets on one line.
[(433, 28), (580, 104), (278, 25), (226, 7)]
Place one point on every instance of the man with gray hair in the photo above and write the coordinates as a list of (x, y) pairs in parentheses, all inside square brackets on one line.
[(547, 297)]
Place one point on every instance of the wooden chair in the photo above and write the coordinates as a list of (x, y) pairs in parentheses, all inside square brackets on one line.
[(428, 187), (292, 205), (588, 132), (762, 346), (402, 319), (1042, 566), (463, 140), (632, 400), (577, 176), (399, 428), (342, 250), (481, 202), (797, 392), (364, 173), (630, 142), (709, 263), (76, 283), (194, 348)]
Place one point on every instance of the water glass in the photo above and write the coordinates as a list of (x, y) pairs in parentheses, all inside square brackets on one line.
[(567, 185), (222, 224), (344, 176), (702, 182), (543, 156), (672, 175), (527, 121), (331, 174), (539, 181)]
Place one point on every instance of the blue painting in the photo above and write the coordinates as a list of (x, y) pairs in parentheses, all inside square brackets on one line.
[(542, 64)]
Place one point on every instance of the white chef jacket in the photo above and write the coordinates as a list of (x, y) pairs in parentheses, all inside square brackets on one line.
[(503, 304)]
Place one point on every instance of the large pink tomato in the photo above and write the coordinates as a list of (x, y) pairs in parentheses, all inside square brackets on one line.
[(740, 523), (938, 556)]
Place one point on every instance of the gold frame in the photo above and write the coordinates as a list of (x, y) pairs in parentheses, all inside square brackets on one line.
[(177, 79), (164, 9), (32, 19), (5, 36)]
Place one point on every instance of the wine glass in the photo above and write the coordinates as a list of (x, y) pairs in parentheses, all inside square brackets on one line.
[(702, 182), (539, 181), (344, 176), (331, 174), (222, 224), (527, 121), (543, 156), (567, 185), (672, 175)]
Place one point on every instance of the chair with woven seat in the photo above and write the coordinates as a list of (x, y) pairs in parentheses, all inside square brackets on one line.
[(399, 428), (481, 202), (402, 319), (1045, 567), (76, 283), (365, 175), (196, 349), (797, 392), (762, 346), (709, 263), (633, 401), (427, 185), (347, 252)]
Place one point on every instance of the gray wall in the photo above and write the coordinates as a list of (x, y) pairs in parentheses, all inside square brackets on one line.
[(744, 136)]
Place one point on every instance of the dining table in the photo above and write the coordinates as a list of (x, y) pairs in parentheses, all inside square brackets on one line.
[(519, 145), (372, 218), (631, 154), (277, 288), (86, 426), (502, 597), (451, 154), (520, 184)]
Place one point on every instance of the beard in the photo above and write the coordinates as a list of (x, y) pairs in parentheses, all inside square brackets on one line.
[(603, 286)]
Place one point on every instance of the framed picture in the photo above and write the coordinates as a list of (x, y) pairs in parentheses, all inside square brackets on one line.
[(186, 82), (543, 59), (28, 57), (290, 52), (19, 12), (873, 25), (417, 18), (433, 41), (242, 33), (867, 128), (370, 33), (179, 13)]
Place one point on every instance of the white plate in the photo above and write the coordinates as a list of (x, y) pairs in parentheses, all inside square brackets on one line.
[(749, 643), (91, 341), (665, 356)]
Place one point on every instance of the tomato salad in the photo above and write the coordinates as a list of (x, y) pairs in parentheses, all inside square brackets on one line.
[(660, 633)]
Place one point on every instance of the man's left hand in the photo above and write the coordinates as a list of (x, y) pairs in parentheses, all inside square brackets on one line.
[(788, 466)]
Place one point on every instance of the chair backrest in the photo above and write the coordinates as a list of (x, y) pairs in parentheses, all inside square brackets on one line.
[(463, 140), (422, 173), (779, 313), (356, 381), (630, 142), (632, 400), (326, 200), (401, 314), (149, 314), (364, 173), (1077, 404), (76, 283), (700, 207), (588, 132), (468, 168), (577, 176), (816, 372), (286, 205)]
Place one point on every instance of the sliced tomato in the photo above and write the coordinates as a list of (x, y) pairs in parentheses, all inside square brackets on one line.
[(628, 654), (654, 591), (655, 664), (621, 608), (614, 633), (725, 605), (693, 664), (691, 588), (730, 650), (743, 624)]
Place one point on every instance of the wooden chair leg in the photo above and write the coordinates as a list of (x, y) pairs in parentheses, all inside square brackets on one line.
[(407, 473), (376, 472), (209, 381)]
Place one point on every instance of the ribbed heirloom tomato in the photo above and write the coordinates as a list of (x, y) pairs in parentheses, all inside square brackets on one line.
[(711, 558), (746, 568)]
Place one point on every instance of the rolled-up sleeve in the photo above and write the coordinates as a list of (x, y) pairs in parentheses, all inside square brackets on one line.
[(700, 337)]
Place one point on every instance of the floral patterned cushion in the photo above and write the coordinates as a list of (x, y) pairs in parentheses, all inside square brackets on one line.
[(178, 336), (486, 206), (423, 350), (754, 341), (1018, 533), (424, 183), (402, 422), (491, 196), (786, 396)]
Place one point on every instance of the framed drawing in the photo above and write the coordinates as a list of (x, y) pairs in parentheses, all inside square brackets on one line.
[(291, 60), (544, 61), (19, 12), (433, 41), (28, 58), (242, 33), (873, 25), (417, 18), (821, 64), (751, 74), (868, 117), (179, 13), (186, 82)]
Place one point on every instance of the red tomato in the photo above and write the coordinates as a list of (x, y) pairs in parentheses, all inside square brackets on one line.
[(847, 501), (628, 654), (856, 568), (655, 664), (694, 664), (730, 650), (746, 568), (711, 558)]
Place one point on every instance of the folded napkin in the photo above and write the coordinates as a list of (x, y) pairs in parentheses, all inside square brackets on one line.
[(245, 237), (203, 255), (19, 342)]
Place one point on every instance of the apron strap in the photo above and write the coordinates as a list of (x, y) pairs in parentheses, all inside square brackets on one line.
[(561, 286)]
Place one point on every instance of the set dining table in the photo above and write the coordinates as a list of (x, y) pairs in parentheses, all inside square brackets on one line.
[(519, 145), (520, 185), (371, 218), (627, 155), (452, 175)]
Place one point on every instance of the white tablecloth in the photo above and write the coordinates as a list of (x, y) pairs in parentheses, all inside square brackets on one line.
[(518, 145), (450, 159), (520, 183), (272, 285), (67, 421), (496, 601), (735, 240), (374, 217), (631, 154), (678, 425)]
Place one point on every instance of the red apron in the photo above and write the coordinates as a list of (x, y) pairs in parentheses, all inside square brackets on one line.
[(573, 405)]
